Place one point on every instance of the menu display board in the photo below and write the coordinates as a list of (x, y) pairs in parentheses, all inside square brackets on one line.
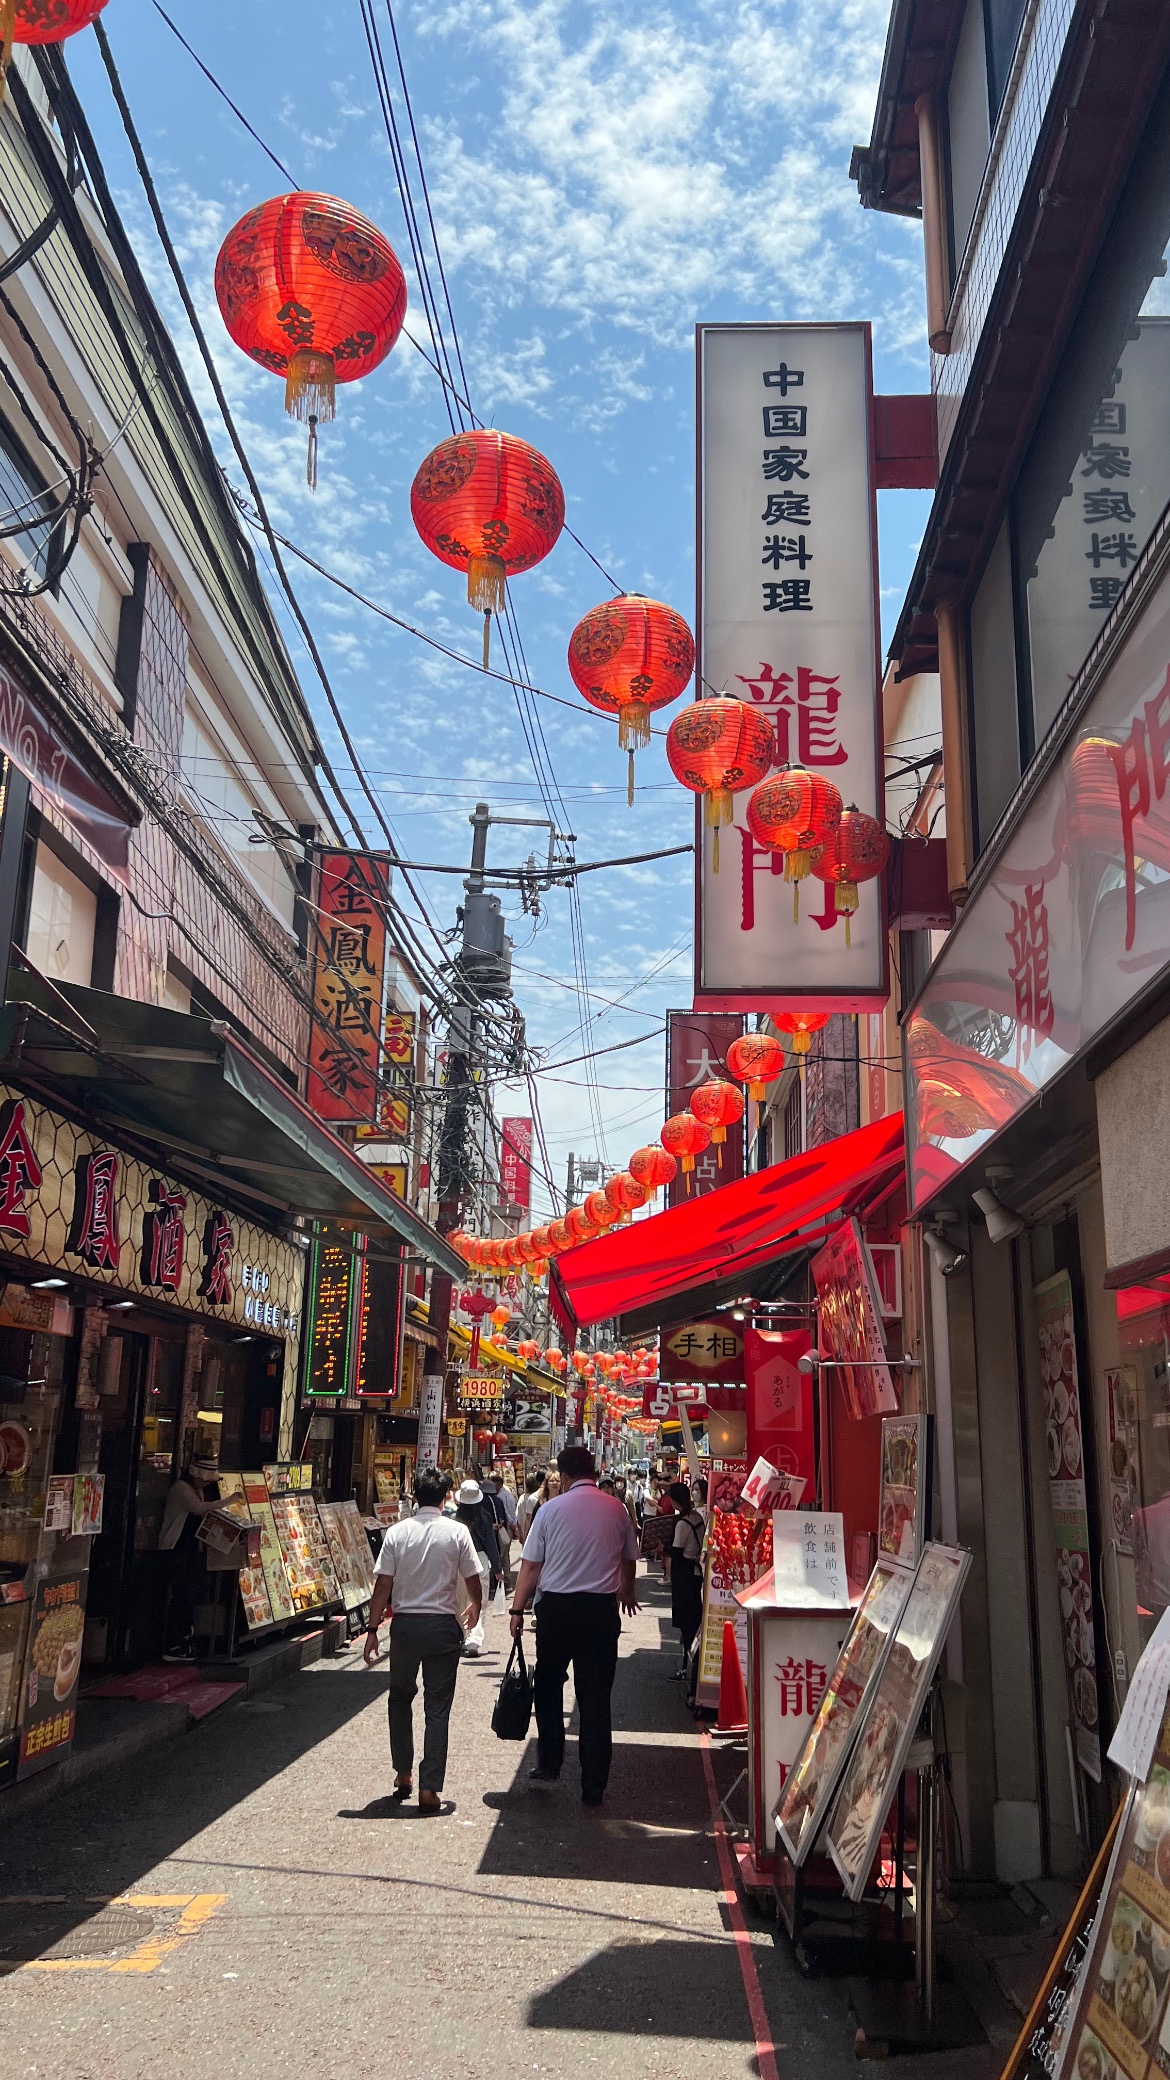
[(738, 1551), (350, 1555), (54, 1667), (816, 1773), (271, 1559), (905, 1488), (885, 1730), (303, 1548), (1038, 2047), (254, 1595), (1065, 1436), (1119, 2027)]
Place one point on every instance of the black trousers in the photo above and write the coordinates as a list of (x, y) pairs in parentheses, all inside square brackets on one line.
[(434, 1643), (583, 1630)]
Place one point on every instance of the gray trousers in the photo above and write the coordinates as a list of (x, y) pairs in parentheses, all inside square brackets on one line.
[(433, 1642)]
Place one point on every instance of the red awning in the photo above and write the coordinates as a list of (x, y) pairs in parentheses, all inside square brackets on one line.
[(738, 1228)]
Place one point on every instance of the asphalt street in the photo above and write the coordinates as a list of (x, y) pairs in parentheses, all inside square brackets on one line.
[(238, 1902)]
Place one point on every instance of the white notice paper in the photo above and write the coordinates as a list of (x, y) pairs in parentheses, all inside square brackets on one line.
[(808, 1557), (1133, 1744)]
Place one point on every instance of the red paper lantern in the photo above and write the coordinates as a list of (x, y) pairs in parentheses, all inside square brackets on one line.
[(717, 1105), (757, 1060), (491, 505), (310, 289), (541, 1237), (794, 812), (600, 1212), (653, 1168), (686, 1137), (625, 1193), (558, 1237), (579, 1225), (51, 21), (800, 1027), (627, 657), (856, 852), (501, 1316), (716, 748)]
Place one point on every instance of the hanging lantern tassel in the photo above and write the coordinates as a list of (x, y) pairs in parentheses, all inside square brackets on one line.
[(486, 581), (718, 810), (310, 393), (845, 902), (634, 727)]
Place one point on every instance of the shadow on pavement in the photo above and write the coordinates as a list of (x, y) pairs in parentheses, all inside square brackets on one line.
[(660, 1989), (392, 1809), (648, 1832), (118, 1825)]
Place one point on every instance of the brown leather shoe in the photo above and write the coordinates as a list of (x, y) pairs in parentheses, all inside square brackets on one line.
[(429, 1802)]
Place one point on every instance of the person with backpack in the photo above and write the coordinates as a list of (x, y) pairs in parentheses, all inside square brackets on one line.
[(686, 1570)]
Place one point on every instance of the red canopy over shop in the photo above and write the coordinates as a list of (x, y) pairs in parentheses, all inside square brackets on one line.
[(730, 1231)]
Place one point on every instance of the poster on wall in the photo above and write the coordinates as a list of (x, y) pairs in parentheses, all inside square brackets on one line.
[(886, 1729), (1064, 1436), (905, 1488), (851, 1330), (810, 1785), (788, 624), (53, 1672)]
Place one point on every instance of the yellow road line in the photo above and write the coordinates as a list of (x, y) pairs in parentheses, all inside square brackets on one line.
[(198, 1908)]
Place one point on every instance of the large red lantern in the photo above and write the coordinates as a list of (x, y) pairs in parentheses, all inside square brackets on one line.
[(310, 289), (717, 1105), (717, 747), (558, 1237), (41, 21), (599, 1210), (757, 1060), (627, 657), (795, 812), (800, 1027), (686, 1137), (491, 505), (856, 852), (653, 1168), (579, 1225)]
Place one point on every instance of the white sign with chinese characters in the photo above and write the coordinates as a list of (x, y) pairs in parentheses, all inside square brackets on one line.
[(808, 1557), (430, 1420), (797, 1655), (788, 623)]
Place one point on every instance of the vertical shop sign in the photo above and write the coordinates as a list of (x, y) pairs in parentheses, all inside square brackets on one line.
[(430, 1419), (851, 1331), (787, 561), (395, 1081), (780, 1403), (381, 1308), (696, 1052), (54, 1667), (334, 1284), (345, 1047), (1065, 1441), (516, 1163)]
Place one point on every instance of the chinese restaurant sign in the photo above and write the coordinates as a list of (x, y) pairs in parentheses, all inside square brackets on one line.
[(335, 1279), (788, 622), (69, 1201), (345, 1048), (1068, 925), (516, 1163), (396, 1081), (696, 1052)]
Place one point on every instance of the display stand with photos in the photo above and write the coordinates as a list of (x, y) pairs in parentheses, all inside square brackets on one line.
[(1036, 2053), (797, 1614)]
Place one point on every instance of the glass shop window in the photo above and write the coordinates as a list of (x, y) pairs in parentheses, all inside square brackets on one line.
[(29, 515), (1097, 478), (62, 921)]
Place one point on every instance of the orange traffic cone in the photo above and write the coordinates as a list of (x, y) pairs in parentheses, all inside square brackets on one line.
[(733, 1711)]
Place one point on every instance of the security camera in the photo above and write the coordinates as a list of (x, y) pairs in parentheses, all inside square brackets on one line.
[(945, 1255), (1002, 1223)]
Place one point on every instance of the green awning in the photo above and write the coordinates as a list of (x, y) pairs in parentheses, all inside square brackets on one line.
[(202, 1100)]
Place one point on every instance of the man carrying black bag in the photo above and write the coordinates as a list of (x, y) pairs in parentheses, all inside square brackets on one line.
[(582, 1550)]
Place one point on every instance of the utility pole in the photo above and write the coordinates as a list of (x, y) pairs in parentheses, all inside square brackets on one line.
[(570, 1185)]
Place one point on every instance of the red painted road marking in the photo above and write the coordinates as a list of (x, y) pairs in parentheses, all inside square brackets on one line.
[(745, 1949)]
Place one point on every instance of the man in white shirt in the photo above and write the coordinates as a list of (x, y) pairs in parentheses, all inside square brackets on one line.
[(417, 1572), (582, 1550)]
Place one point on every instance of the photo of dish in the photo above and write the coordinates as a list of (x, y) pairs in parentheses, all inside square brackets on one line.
[(1052, 1441), (15, 1449), (1136, 1999), (1119, 1458), (1085, 1695), (68, 1664), (1093, 2061), (1070, 1438), (1061, 1405), (1162, 1860)]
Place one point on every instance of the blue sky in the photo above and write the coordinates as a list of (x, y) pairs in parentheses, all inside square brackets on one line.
[(602, 177)]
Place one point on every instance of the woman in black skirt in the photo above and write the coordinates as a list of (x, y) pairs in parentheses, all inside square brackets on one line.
[(686, 1570)]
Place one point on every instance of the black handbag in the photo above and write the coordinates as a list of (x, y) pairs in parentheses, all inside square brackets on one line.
[(513, 1713)]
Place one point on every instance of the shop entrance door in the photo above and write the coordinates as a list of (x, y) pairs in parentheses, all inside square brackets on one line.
[(142, 1381)]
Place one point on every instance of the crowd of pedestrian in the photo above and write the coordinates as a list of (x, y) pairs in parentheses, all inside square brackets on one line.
[(439, 1571)]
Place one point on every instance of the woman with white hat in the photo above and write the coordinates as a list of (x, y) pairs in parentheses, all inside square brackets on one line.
[(472, 1512)]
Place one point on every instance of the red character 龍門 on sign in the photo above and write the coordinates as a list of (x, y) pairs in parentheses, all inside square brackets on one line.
[(1027, 940)]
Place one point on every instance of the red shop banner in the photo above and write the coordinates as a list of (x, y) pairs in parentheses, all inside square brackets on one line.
[(696, 1052), (516, 1163), (780, 1402), (347, 989)]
